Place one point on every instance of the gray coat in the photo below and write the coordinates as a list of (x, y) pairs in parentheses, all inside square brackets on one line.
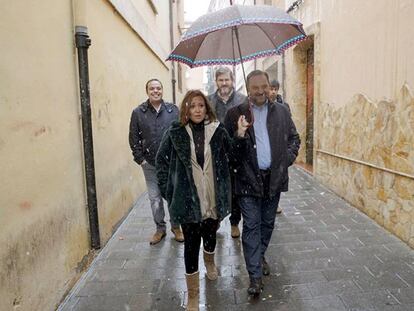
[(221, 108), (146, 129)]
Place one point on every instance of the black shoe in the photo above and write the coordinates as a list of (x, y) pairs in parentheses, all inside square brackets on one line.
[(255, 286), (265, 267)]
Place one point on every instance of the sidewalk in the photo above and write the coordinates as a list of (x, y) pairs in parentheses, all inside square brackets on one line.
[(325, 255)]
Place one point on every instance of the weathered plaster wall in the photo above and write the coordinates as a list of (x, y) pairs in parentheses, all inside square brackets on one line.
[(44, 235), (120, 65), (43, 224)]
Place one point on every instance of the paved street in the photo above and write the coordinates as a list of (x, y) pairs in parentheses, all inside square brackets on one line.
[(324, 255)]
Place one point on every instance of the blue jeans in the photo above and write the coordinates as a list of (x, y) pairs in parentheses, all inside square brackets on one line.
[(259, 216)]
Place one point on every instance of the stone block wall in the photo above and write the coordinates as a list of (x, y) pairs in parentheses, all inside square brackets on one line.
[(366, 155)]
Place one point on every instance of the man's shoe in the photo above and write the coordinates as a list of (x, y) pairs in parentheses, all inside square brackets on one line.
[(235, 232), (178, 234), (279, 210), (255, 286), (265, 267), (157, 237)]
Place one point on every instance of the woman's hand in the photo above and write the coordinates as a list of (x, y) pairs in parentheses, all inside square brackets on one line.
[(242, 126)]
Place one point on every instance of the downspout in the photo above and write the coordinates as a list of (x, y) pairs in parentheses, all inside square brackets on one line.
[(173, 81), (83, 42)]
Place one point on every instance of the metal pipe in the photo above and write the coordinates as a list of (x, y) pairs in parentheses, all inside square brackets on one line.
[(236, 32), (82, 44), (366, 164), (255, 60), (173, 81)]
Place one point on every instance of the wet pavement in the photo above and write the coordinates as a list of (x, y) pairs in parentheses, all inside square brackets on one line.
[(324, 255)]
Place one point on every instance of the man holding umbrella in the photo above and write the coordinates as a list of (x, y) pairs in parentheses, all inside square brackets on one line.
[(272, 146), (222, 100), (231, 36)]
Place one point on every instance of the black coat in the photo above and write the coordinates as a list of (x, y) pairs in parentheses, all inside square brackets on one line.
[(280, 100), (284, 144), (146, 129), (175, 177)]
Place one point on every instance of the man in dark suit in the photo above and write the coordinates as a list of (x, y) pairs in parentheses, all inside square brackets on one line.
[(272, 146)]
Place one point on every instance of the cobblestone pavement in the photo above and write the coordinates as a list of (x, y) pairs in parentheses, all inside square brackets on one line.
[(324, 255)]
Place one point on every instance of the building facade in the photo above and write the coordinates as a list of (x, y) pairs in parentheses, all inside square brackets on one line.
[(350, 87), (44, 229)]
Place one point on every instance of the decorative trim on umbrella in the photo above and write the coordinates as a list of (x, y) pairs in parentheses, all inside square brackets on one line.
[(230, 61), (238, 22)]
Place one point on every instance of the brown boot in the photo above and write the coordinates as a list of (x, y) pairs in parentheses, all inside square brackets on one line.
[(157, 237), (193, 291), (212, 272), (178, 234), (235, 232)]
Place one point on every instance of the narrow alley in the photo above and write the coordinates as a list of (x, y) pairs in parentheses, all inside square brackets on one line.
[(324, 255)]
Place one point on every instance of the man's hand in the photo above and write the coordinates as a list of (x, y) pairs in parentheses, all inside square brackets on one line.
[(242, 126)]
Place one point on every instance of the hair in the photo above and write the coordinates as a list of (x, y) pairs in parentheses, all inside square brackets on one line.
[(185, 107), (256, 73), (275, 83), (224, 71), (152, 80)]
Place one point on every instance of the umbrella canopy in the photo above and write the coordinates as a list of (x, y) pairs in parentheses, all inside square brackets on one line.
[(237, 34)]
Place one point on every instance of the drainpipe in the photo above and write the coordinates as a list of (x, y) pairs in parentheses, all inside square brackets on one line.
[(173, 81), (83, 42)]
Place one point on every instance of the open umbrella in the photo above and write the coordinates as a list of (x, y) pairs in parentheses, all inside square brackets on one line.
[(237, 34)]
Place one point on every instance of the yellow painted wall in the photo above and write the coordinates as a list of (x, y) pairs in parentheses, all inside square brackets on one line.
[(43, 217), (119, 69)]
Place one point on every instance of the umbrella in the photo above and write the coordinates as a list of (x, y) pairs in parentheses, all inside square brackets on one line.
[(236, 34)]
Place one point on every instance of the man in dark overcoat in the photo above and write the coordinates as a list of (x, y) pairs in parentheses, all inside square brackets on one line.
[(272, 146)]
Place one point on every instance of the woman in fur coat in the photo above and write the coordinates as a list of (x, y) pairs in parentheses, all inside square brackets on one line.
[(193, 170)]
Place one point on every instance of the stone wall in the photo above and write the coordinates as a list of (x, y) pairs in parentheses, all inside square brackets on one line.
[(359, 139)]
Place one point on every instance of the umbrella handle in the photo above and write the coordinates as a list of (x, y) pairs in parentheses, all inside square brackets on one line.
[(236, 32), (251, 113)]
